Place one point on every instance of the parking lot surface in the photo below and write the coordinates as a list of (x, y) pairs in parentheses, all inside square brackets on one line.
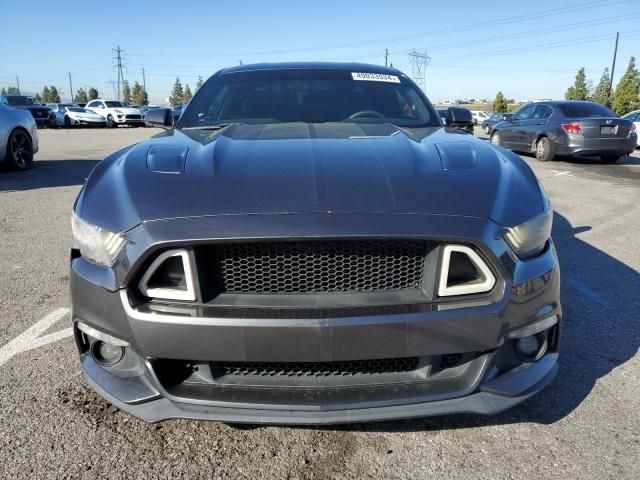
[(585, 425)]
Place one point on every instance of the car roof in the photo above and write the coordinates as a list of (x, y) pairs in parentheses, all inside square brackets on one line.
[(351, 67)]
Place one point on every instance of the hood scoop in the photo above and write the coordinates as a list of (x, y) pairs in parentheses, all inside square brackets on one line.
[(457, 156), (167, 158)]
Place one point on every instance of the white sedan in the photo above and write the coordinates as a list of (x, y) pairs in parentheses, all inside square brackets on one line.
[(635, 118), (74, 116), (116, 112)]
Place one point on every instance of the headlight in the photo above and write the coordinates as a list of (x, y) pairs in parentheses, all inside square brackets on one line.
[(530, 238), (95, 244)]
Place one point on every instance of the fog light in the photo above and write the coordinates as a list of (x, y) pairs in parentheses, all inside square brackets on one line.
[(106, 353), (532, 347)]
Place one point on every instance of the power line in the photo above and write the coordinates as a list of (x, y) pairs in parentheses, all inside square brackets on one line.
[(463, 28)]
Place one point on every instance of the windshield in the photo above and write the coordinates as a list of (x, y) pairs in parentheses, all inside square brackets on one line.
[(113, 104), (584, 110), (20, 101), (306, 95)]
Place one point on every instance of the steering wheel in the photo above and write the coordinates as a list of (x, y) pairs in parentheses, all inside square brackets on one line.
[(365, 114)]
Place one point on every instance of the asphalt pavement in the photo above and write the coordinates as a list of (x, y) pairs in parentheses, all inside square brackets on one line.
[(585, 425)]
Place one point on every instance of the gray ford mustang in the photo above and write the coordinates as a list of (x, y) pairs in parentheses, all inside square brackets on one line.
[(310, 245)]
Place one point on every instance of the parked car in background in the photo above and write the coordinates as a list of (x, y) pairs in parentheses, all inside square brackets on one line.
[(411, 274), (567, 128), (145, 108), (74, 116), (442, 112), (493, 120), (41, 114), (635, 118), (18, 138), (116, 112), (176, 112), (479, 116)]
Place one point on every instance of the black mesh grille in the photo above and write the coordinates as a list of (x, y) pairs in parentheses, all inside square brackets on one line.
[(319, 369), (318, 266)]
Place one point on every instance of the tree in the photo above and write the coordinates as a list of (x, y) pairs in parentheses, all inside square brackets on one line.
[(13, 91), (126, 92), (46, 95), (93, 94), (177, 94), (37, 98), (4, 91), (54, 96), (199, 83), (187, 94), (579, 90), (81, 96), (602, 92), (500, 103), (138, 95), (626, 97)]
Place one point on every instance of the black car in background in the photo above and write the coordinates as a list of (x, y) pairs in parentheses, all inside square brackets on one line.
[(551, 129), (41, 114), (493, 120)]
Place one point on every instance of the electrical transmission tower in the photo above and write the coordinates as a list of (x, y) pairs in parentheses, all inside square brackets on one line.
[(118, 58), (419, 61)]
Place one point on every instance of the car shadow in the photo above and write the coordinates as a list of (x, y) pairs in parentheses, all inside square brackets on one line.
[(47, 173), (600, 332)]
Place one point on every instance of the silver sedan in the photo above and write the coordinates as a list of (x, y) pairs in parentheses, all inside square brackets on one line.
[(18, 138)]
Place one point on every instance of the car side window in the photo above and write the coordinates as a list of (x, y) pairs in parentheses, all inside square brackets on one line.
[(524, 112), (541, 112)]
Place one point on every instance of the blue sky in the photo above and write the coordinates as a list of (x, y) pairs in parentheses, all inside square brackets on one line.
[(476, 47)]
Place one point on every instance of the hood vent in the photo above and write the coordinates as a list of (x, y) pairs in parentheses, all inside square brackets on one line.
[(463, 272), (169, 277)]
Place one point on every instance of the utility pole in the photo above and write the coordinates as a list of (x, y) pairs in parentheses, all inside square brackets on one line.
[(18, 83), (70, 87), (613, 66), (386, 57), (144, 81), (118, 58)]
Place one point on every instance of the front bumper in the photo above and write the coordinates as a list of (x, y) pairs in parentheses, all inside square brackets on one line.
[(528, 294), (140, 398)]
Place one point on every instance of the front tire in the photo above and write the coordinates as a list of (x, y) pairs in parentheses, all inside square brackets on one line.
[(544, 150), (487, 129), (496, 139), (610, 158), (110, 122), (67, 122), (19, 150)]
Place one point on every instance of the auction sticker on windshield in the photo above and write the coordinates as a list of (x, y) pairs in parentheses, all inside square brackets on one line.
[(375, 77)]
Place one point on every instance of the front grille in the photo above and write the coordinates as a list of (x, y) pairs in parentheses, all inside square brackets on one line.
[(319, 369), (317, 266), (133, 117)]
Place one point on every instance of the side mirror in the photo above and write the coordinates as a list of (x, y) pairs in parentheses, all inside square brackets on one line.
[(459, 117), (159, 117)]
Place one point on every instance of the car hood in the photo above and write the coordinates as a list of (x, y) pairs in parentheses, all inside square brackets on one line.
[(303, 168), (33, 108), (88, 115)]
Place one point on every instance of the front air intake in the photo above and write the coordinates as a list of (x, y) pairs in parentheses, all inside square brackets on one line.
[(169, 277), (463, 272)]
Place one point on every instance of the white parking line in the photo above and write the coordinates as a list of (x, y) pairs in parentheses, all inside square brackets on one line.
[(30, 338), (558, 173)]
